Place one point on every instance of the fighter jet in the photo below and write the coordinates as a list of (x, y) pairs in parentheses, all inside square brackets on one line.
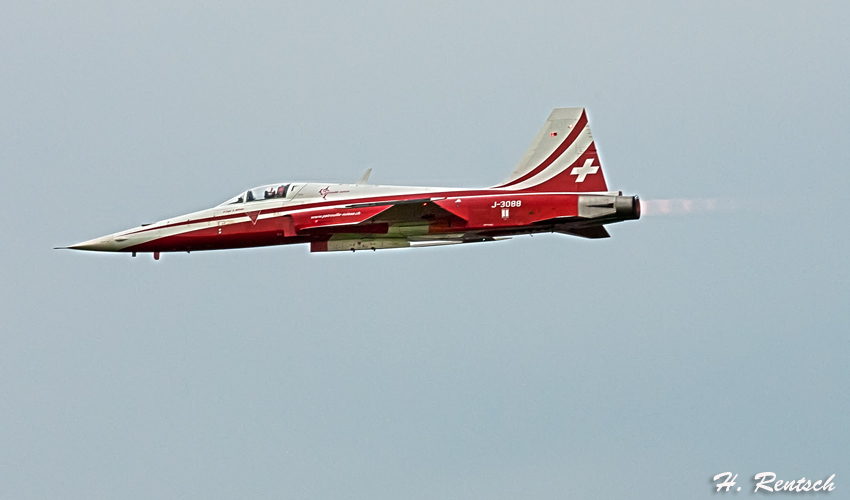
[(557, 187)]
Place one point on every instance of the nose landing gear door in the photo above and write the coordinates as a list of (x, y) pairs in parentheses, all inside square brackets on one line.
[(288, 226)]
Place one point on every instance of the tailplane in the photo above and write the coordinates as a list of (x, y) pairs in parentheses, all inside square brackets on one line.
[(562, 157)]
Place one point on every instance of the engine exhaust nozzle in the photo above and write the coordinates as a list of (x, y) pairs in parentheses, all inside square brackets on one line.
[(627, 207)]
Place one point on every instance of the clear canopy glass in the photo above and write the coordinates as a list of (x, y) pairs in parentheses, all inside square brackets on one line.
[(262, 193)]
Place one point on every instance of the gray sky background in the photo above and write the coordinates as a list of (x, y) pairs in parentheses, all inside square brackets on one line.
[(545, 367)]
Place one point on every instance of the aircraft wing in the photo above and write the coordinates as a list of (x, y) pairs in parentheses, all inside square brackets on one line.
[(361, 214), (415, 210), (335, 216)]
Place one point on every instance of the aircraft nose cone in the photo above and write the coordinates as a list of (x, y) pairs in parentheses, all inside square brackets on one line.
[(103, 244)]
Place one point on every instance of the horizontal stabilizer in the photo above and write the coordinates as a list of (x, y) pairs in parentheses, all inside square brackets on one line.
[(592, 232)]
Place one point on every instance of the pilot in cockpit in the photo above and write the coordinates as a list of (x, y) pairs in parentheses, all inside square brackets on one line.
[(269, 193)]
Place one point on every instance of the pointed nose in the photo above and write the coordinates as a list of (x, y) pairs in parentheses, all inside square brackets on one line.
[(103, 244)]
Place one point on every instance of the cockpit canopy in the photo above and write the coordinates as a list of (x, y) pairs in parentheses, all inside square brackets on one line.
[(262, 193)]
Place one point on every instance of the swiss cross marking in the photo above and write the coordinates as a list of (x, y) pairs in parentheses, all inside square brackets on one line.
[(582, 172)]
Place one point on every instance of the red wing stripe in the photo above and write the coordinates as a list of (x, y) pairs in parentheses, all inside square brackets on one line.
[(571, 138)]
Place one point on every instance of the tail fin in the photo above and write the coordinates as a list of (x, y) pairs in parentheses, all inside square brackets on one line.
[(562, 157)]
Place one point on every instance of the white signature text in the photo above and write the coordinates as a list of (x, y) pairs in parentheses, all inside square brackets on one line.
[(767, 481)]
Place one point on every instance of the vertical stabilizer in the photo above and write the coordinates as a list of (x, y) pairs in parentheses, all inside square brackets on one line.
[(562, 157)]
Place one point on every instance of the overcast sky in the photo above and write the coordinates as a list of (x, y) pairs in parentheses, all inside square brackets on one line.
[(688, 344)]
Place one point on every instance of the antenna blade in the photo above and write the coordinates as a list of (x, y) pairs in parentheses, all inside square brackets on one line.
[(365, 177)]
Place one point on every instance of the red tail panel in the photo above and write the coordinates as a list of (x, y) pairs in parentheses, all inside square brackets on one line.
[(561, 158), (583, 175)]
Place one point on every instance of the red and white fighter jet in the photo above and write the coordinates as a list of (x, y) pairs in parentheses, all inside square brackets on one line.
[(558, 186)]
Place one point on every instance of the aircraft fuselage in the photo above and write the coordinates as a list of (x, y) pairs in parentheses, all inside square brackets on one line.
[(367, 217)]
